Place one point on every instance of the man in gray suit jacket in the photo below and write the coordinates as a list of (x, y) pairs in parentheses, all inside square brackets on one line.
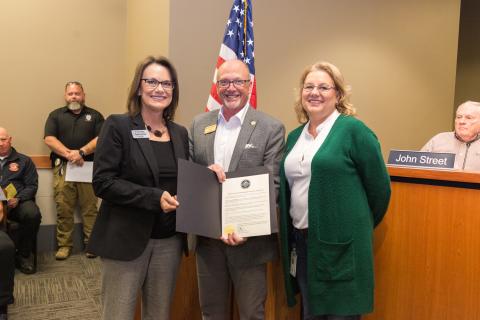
[(232, 138)]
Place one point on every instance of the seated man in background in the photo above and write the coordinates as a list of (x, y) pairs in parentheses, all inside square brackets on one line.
[(464, 141), (19, 179), (7, 267)]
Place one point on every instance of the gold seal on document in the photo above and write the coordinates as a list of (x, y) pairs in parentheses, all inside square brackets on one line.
[(228, 229), (210, 129)]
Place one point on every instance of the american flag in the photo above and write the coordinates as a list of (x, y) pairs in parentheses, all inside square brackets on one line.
[(237, 44)]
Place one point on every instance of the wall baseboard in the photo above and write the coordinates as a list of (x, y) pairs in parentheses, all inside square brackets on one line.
[(41, 162), (47, 241)]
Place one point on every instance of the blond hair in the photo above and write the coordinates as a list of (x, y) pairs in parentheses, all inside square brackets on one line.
[(343, 105)]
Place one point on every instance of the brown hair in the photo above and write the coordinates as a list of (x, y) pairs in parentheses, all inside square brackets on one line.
[(134, 103), (343, 105)]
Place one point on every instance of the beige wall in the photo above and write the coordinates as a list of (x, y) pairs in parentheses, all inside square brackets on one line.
[(398, 56), (468, 65), (147, 31), (47, 43)]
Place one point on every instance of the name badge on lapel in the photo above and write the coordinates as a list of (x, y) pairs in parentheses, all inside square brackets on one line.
[(210, 129), (140, 134)]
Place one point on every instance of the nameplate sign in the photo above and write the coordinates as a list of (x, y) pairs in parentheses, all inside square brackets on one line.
[(420, 159)]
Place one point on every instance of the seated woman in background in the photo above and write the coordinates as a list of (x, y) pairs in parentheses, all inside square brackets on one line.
[(464, 140), (135, 174), (334, 190)]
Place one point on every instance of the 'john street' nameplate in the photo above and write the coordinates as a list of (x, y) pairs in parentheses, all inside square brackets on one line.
[(421, 159)]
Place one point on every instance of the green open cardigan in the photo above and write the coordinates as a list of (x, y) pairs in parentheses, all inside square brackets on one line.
[(348, 196)]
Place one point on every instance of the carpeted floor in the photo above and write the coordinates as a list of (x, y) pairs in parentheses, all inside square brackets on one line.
[(60, 290)]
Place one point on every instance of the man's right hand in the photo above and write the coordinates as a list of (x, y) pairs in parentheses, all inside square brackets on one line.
[(218, 171), (232, 239), (74, 157)]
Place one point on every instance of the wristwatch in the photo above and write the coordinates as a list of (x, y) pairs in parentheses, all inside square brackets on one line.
[(82, 153)]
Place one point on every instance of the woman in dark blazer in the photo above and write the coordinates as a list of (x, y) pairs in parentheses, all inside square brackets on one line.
[(135, 175)]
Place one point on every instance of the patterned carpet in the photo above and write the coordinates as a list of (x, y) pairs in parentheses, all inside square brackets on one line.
[(60, 290)]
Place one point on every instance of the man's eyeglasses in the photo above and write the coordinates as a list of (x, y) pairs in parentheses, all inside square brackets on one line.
[(323, 88), (153, 84), (236, 83)]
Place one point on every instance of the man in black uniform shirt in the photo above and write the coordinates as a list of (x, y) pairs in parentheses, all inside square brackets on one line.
[(71, 133), (19, 177)]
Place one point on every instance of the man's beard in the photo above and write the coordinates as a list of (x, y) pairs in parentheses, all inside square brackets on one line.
[(74, 106)]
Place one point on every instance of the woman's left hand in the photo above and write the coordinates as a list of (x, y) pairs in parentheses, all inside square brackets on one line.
[(168, 203)]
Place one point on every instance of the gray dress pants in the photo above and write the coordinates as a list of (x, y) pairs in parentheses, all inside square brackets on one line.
[(153, 274), (217, 277)]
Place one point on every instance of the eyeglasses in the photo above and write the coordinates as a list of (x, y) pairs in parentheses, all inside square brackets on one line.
[(153, 84), (322, 88), (236, 83)]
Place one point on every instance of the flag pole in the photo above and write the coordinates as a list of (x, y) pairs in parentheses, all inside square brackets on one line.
[(245, 6)]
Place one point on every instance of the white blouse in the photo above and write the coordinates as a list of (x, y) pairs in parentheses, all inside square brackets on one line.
[(298, 171)]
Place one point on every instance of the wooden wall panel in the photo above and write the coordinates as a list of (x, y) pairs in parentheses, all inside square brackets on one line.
[(427, 254), (41, 162), (185, 305)]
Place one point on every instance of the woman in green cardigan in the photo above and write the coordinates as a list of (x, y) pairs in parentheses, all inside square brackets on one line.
[(334, 190)]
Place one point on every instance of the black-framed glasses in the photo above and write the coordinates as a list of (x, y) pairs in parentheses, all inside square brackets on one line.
[(322, 88), (238, 83), (153, 84)]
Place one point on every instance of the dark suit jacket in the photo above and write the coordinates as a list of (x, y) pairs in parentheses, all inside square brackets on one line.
[(260, 143), (125, 177)]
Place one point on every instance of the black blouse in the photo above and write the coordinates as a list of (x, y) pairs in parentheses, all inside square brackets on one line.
[(164, 225)]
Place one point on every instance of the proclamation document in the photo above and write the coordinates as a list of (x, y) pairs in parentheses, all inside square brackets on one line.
[(246, 206), (79, 174), (244, 203)]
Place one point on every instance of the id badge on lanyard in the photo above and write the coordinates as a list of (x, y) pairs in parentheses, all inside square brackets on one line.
[(293, 262)]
